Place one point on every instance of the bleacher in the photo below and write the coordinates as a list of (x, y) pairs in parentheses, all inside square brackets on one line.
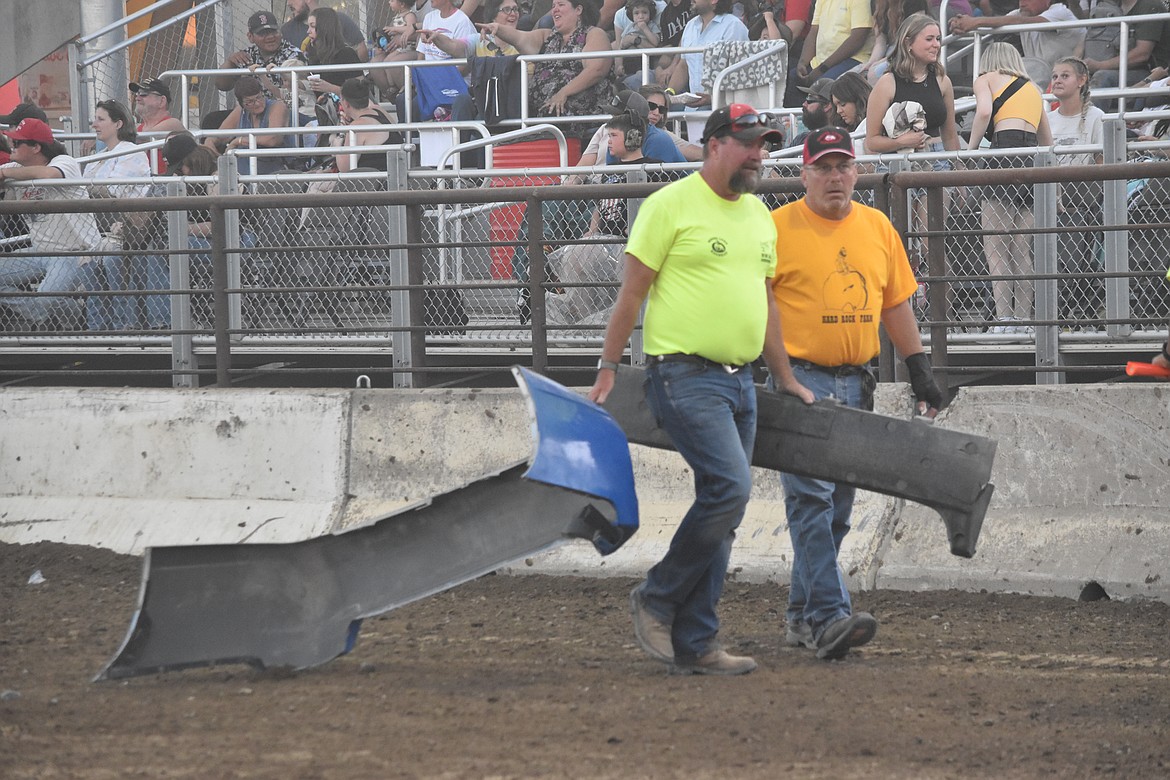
[(409, 274)]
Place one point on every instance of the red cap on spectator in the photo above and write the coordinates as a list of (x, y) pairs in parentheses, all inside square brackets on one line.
[(31, 130)]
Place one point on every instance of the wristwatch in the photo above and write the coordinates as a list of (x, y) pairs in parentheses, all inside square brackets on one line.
[(603, 363)]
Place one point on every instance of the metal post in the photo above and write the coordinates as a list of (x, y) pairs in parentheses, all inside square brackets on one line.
[(900, 217), (229, 184), (219, 281), (637, 343), (939, 293), (182, 350), (80, 108), (416, 309), (224, 43), (397, 220), (1115, 212), (99, 16), (1044, 262), (537, 275)]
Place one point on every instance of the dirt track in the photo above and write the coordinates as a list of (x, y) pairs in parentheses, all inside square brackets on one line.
[(538, 677)]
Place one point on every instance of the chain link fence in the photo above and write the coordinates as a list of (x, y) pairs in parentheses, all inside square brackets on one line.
[(512, 259)]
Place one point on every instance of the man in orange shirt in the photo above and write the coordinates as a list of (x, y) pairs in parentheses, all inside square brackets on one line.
[(841, 271)]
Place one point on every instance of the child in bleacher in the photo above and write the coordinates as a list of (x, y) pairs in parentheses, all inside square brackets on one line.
[(642, 32)]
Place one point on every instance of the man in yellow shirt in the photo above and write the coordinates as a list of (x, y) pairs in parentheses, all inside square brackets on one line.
[(841, 270), (703, 250)]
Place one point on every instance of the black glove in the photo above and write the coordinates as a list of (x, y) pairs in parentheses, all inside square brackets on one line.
[(922, 382)]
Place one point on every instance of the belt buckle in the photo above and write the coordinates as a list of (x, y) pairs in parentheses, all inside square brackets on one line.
[(729, 368)]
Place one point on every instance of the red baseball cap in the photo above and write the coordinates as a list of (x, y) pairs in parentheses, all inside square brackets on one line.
[(31, 130), (827, 140), (742, 122)]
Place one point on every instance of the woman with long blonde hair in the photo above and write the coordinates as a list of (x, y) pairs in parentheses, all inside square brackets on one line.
[(1009, 109)]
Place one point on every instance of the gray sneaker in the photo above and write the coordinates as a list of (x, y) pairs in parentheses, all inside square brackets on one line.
[(800, 635), (653, 635), (718, 662), (845, 633)]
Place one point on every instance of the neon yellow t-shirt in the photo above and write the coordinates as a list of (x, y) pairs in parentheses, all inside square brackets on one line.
[(712, 257), (834, 278)]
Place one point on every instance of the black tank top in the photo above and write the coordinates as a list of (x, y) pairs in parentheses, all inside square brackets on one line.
[(929, 95), (377, 160)]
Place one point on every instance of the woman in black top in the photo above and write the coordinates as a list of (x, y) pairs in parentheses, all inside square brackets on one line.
[(356, 110), (327, 47), (916, 74)]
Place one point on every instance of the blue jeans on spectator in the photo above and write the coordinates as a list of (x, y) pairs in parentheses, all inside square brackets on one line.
[(818, 520), (108, 312), (710, 416), (840, 67), (563, 220), (57, 274), (152, 272)]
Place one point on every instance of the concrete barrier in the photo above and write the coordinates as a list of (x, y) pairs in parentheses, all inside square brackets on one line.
[(1081, 480), (1082, 494)]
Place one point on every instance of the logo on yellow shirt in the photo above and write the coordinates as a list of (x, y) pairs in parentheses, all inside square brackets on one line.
[(845, 289), (718, 246)]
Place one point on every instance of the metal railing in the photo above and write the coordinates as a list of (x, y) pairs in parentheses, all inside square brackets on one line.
[(419, 263), (1124, 22)]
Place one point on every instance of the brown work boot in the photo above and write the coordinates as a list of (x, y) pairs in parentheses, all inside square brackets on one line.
[(653, 635), (716, 662)]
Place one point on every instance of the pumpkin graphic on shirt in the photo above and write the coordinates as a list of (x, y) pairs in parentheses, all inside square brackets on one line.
[(845, 289)]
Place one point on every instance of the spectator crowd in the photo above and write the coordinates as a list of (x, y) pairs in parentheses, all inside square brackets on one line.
[(871, 67)]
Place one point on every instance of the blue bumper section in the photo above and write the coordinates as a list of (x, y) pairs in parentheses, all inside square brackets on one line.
[(580, 447)]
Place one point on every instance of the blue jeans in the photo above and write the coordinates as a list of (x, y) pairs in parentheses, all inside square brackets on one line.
[(710, 416), (840, 67), (818, 520), (102, 312), (56, 274), (153, 272), (117, 272), (563, 220)]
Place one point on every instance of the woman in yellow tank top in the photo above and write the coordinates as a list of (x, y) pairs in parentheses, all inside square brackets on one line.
[(1011, 106)]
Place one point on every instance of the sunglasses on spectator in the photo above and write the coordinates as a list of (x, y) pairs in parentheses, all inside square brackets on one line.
[(655, 106), (22, 142), (148, 93), (816, 99), (510, 9)]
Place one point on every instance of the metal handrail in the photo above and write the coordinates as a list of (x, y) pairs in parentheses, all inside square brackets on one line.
[(490, 140)]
